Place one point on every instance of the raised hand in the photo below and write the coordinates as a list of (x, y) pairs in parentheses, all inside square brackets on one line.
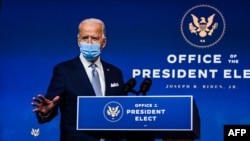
[(44, 105)]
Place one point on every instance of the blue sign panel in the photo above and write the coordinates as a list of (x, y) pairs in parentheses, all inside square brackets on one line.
[(154, 113)]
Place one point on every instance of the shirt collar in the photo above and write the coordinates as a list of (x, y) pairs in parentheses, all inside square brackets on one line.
[(86, 63)]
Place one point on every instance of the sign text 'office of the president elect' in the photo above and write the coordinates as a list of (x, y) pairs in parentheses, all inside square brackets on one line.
[(154, 113)]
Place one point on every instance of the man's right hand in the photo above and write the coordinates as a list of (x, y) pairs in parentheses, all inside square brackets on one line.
[(44, 105)]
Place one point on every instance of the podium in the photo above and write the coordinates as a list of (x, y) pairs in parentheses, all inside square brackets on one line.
[(171, 118)]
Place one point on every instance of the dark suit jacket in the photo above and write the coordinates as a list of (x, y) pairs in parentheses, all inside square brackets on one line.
[(70, 80)]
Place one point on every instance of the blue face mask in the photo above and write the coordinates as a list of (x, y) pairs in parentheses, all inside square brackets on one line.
[(90, 51)]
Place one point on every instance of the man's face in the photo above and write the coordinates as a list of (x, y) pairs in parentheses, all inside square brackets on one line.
[(91, 33)]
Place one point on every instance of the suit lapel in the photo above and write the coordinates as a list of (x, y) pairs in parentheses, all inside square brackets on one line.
[(83, 77), (107, 75)]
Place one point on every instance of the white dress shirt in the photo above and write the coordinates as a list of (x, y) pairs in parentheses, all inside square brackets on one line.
[(99, 68)]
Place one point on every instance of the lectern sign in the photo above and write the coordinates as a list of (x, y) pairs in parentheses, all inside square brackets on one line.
[(159, 113)]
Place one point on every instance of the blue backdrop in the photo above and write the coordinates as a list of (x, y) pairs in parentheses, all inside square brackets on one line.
[(36, 35)]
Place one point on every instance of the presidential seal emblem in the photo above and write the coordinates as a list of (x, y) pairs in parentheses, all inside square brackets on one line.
[(203, 26), (113, 111)]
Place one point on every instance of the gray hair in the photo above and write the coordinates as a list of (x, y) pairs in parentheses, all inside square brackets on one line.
[(94, 20)]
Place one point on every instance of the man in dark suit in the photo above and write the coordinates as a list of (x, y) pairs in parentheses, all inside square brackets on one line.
[(74, 78)]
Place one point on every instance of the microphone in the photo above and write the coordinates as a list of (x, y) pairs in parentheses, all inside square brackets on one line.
[(128, 87), (145, 86)]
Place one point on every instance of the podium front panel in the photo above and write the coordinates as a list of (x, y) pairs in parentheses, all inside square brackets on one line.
[(135, 113)]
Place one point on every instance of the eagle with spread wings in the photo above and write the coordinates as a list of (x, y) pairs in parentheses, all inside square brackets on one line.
[(113, 111), (202, 26)]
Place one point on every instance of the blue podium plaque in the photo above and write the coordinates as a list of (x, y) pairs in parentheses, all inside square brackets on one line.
[(135, 113)]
